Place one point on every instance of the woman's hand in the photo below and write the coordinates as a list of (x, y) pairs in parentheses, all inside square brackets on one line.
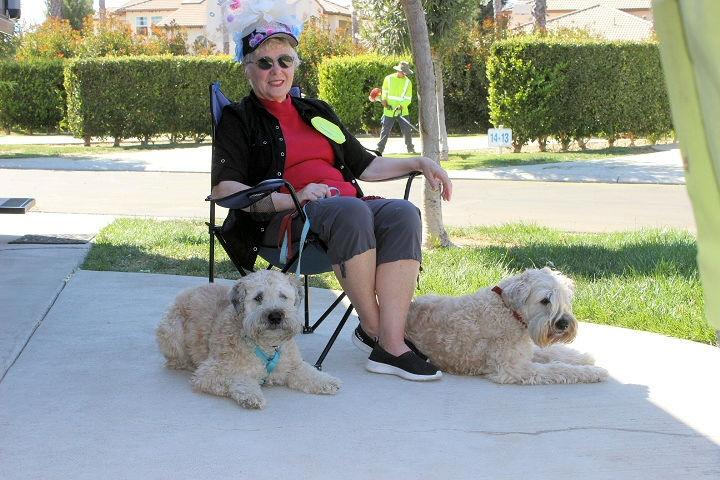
[(437, 177), (313, 191)]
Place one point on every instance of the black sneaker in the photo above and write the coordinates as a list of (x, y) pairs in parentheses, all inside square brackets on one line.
[(408, 365), (366, 343), (362, 340)]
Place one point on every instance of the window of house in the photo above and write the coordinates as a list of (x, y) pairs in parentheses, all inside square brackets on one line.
[(343, 27), (155, 20), (141, 25)]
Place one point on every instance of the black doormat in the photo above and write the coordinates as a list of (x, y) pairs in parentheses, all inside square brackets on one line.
[(57, 239)]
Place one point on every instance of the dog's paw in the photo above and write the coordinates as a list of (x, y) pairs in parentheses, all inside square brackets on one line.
[(328, 385), (249, 399), (177, 364), (596, 374), (584, 359)]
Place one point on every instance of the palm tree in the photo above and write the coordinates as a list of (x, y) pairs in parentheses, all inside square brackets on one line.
[(54, 8), (539, 15), (427, 103)]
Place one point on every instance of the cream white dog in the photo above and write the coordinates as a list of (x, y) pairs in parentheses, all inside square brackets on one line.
[(237, 339), (509, 333)]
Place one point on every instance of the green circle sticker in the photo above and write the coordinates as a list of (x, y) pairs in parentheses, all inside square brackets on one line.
[(329, 129)]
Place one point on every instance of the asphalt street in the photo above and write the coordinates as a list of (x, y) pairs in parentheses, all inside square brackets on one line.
[(569, 206)]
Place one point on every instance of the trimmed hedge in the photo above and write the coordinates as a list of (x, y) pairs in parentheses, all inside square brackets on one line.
[(465, 87), (142, 97), (345, 83), (31, 95), (572, 91)]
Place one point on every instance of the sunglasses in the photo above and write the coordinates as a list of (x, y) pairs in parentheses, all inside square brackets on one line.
[(266, 63)]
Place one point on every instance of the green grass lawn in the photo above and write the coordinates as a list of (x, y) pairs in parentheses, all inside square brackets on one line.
[(485, 159), (79, 151), (644, 280)]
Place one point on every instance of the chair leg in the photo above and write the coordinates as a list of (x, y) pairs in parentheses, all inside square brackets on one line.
[(327, 312), (334, 336), (211, 262), (306, 327), (211, 231)]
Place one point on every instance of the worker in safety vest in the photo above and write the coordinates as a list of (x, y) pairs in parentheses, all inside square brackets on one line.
[(396, 96)]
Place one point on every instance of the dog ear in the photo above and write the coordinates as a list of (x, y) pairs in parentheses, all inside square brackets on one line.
[(567, 282), (300, 290), (237, 296), (517, 289)]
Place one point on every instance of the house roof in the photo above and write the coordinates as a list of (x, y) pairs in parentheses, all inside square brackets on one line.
[(331, 7), (606, 22), (582, 4), (191, 13), (554, 5), (148, 5)]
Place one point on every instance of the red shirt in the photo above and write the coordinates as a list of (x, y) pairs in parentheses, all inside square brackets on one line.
[(309, 158)]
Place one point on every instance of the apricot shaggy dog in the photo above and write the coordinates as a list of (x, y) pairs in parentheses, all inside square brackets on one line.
[(237, 339), (510, 333)]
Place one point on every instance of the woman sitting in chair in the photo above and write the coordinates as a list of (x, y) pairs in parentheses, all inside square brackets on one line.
[(373, 243)]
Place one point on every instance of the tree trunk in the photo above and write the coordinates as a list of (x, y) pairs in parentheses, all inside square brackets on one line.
[(54, 8), (427, 103), (497, 11), (539, 15), (101, 8), (440, 94)]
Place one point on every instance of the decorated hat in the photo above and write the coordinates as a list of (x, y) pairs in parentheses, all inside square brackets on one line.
[(403, 67), (251, 22)]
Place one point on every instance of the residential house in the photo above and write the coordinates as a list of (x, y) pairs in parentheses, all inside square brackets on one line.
[(192, 15), (609, 19), (337, 18)]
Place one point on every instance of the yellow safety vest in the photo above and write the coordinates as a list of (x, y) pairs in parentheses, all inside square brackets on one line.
[(398, 93)]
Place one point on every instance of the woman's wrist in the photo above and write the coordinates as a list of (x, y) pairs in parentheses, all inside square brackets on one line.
[(420, 163)]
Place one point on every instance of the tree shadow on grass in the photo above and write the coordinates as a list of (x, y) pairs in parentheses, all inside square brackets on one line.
[(131, 258), (595, 261)]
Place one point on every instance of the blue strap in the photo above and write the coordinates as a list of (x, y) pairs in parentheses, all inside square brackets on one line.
[(270, 362), (284, 248), (303, 237)]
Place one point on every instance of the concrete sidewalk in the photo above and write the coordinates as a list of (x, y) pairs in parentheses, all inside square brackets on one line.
[(661, 167)]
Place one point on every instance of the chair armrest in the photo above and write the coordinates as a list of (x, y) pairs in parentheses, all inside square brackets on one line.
[(410, 176), (245, 198)]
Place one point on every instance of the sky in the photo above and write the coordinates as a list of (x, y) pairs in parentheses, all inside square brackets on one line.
[(33, 11)]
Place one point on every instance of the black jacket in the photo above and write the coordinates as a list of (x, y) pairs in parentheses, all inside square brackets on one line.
[(249, 147)]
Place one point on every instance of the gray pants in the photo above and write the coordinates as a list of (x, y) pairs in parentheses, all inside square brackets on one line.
[(387, 126), (350, 226)]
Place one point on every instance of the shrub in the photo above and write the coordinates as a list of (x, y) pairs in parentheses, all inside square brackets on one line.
[(31, 94), (572, 91), (55, 38), (465, 83), (107, 37), (345, 83), (316, 45), (142, 97)]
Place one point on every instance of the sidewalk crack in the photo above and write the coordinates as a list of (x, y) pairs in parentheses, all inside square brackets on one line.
[(39, 322)]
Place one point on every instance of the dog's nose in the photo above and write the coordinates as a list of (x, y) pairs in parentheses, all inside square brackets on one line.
[(562, 324), (275, 317)]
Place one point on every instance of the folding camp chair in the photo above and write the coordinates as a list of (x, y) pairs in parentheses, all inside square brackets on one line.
[(314, 256)]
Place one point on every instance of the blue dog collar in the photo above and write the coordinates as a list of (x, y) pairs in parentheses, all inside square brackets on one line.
[(270, 362)]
